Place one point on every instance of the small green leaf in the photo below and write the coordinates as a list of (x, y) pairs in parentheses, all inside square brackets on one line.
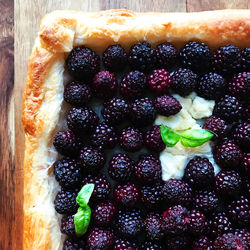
[(169, 137), (84, 195), (82, 220)]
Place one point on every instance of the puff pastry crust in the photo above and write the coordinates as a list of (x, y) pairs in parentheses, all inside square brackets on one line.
[(60, 32)]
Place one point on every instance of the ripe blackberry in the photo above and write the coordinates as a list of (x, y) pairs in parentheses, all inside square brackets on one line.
[(184, 81), (65, 202), (142, 112), (245, 59), (73, 244), (92, 160), (242, 135), (104, 84), (149, 245), (83, 63), (153, 227), (129, 222), (228, 108), (217, 126), (148, 169), (165, 56), (246, 163), (197, 223), (202, 243), (153, 140), (126, 194), (244, 235), (66, 143), (167, 105), (140, 56), (103, 136), (178, 242), (82, 120), (104, 213), (159, 80), (211, 86), (77, 93), (114, 58), (133, 84), (196, 56), (177, 192), (115, 111), (67, 172), (124, 245), (131, 139), (68, 226), (101, 239)]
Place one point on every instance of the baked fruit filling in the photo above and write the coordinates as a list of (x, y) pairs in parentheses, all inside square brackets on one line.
[(164, 136)]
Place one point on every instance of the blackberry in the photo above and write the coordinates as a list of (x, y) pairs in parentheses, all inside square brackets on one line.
[(246, 186), (133, 84), (211, 86), (83, 63), (202, 243), (140, 56), (77, 93), (217, 126), (104, 84), (142, 112), (149, 245), (114, 58), (124, 245), (153, 227), (167, 105), (246, 163), (245, 59), (68, 226), (196, 56), (242, 135), (73, 244), (197, 223), (115, 111), (244, 235), (184, 81), (178, 242)]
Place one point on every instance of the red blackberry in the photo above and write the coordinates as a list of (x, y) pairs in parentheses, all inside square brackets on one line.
[(126, 194), (83, 63), (153, 140), (177, 192), (73, 244), (153, 227), (103, 136), (244, 235), (159, 80), (246, 163), (82, 120), (142, 112), (100, 239), (242, 135), (133, 84), (245, 59), (178, 242), (141, 56), (184, 81), (211, 86), (104, 84), (196, 56), (165, 55), (124, 245), (120, 167), (131, 139), (197, 223), (148, 169), (149, 245), (104, 213), (68, 226), (114, 58), (167, 105), (77, 93), (202, 243)]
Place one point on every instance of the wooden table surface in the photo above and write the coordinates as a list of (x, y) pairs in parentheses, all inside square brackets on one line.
[(27, 16)]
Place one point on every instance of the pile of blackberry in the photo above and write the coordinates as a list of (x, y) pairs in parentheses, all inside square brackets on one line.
[(118, 148)]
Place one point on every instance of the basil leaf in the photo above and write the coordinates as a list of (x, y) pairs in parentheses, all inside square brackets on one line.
[(169, 137), (84, 195), (82, 220)]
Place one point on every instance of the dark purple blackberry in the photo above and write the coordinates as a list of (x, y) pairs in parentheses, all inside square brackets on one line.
[(92, 160), (67, 172), (197, 223), (66, 143), (211, 86), (120, 167), (184, 81), (196, 56), (104, 213), (149, 245), (142, 112), (77, 93), (133, 84), (165, 56), (124, 245), (131, 139), (153, 227), (115, 111), (114, 58), (104, 136), (68, 226), (153, 140), (167, 105), (242, 135), (126, 194), (244, 235), (177, 192), (246, 163), (228, 108), (245, 59), (202, 243), (65, 202), (100, 239), (83, 63), (246, 186), (178, 242), (129, 222), (73, 244), (148, 169), (82, 120), (104, 84), (140, 56)]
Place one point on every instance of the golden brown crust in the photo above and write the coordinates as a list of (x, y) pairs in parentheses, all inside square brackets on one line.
[(61, 31)]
